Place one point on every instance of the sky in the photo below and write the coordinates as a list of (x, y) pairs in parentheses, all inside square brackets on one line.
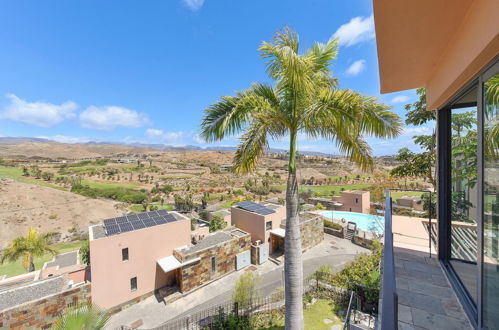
[(144, 71)]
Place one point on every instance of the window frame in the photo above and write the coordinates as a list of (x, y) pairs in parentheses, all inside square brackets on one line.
[(267, 225), (123, 250), (132, 289)]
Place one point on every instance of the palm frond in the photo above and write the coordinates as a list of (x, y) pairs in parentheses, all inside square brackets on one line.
[(254, 143), (84, 316)]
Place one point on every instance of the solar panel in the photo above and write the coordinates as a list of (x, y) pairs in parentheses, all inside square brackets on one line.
[(255, 207), (159, 220), (112, 229), (132, 217), (137, 224), (137, 221), (127, 226), (149, 222), (121, 220), (109, 222)]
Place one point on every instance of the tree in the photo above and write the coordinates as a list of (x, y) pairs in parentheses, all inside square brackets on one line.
[(304, 99), (85, 252), (28, 247), (217, 223), (419, 164), (25, 171), (320, 274), (245, 289), (83, 317)]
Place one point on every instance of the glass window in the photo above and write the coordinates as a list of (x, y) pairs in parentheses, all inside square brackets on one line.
[(213, 264), (491, 203), (464, 194), (268, 225), (124, 254), (133, 283)]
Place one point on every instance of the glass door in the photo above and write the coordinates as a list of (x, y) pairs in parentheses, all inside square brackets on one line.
[(490, 216)]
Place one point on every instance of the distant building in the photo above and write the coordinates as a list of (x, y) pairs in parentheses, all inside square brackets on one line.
[(411, 202), (349, 201), (257, 219)]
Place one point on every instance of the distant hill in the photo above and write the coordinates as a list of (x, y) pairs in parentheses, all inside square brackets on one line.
[(42, 147)]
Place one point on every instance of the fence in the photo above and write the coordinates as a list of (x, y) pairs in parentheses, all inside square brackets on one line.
[(212, 318)]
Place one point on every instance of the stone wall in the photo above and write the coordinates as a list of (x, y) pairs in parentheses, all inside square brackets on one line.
[(312, 233), (334, 232), (42, 313), (199, 273)]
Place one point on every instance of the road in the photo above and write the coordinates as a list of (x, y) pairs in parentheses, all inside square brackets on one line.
[(270, 281)]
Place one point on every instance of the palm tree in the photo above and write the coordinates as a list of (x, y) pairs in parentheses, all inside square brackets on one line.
[(304, 99), (82, 317), (28, 247)]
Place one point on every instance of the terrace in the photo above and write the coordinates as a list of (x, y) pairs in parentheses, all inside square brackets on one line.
[(416, 288)]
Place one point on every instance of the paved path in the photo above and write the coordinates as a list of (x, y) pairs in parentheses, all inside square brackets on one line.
[(332, 251)]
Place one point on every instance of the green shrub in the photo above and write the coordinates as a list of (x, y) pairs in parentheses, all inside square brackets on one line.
[(333, 225), (126, 195)]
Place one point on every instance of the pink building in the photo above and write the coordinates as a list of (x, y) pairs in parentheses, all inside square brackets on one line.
[(128, 255), (353, 201), (257, 219)]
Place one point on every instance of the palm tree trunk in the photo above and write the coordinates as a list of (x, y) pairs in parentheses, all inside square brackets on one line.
[(293, 267), (31, 264)]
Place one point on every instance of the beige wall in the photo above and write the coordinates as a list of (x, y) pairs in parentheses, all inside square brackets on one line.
[(472, 46), (439, 45), (354, 202), (111, 276), (255, 224)]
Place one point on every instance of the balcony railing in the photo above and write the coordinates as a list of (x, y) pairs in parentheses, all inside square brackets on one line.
[(389, 302)]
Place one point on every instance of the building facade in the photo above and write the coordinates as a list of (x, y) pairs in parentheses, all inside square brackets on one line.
[(124, 265), (454, 54), (258, 224)]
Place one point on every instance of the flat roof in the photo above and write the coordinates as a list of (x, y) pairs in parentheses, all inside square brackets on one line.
[(36, 290), (213, 239), (136, 221), (64, 260)]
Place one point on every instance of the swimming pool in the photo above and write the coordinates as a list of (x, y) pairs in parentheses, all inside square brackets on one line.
[(366, 222)]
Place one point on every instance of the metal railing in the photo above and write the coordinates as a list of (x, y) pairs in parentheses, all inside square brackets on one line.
[(429, 227), (346, 325), (389, 304)]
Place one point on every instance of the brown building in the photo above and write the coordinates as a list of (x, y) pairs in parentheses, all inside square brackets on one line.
[(215, 256)]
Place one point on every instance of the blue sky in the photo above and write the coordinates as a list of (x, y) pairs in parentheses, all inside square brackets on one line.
[(144, 71)]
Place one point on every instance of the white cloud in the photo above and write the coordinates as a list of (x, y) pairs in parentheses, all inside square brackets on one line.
[(66, 139), (108, 118), (359, 29), (193, 4), (417, 130), (356, 67), (166, 137), (400, 99), (37, 113)]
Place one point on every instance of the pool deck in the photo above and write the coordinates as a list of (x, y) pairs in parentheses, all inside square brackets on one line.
[(408, 232)]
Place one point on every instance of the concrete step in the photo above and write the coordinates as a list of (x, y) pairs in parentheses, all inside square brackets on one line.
[(172, 297), (274, 260)]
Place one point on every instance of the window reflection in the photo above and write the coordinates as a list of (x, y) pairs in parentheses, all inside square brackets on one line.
[(491, 203), (464, 144)]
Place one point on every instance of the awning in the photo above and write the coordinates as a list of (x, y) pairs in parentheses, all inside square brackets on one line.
[(278, 232), (337, 204), (170, 263)]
